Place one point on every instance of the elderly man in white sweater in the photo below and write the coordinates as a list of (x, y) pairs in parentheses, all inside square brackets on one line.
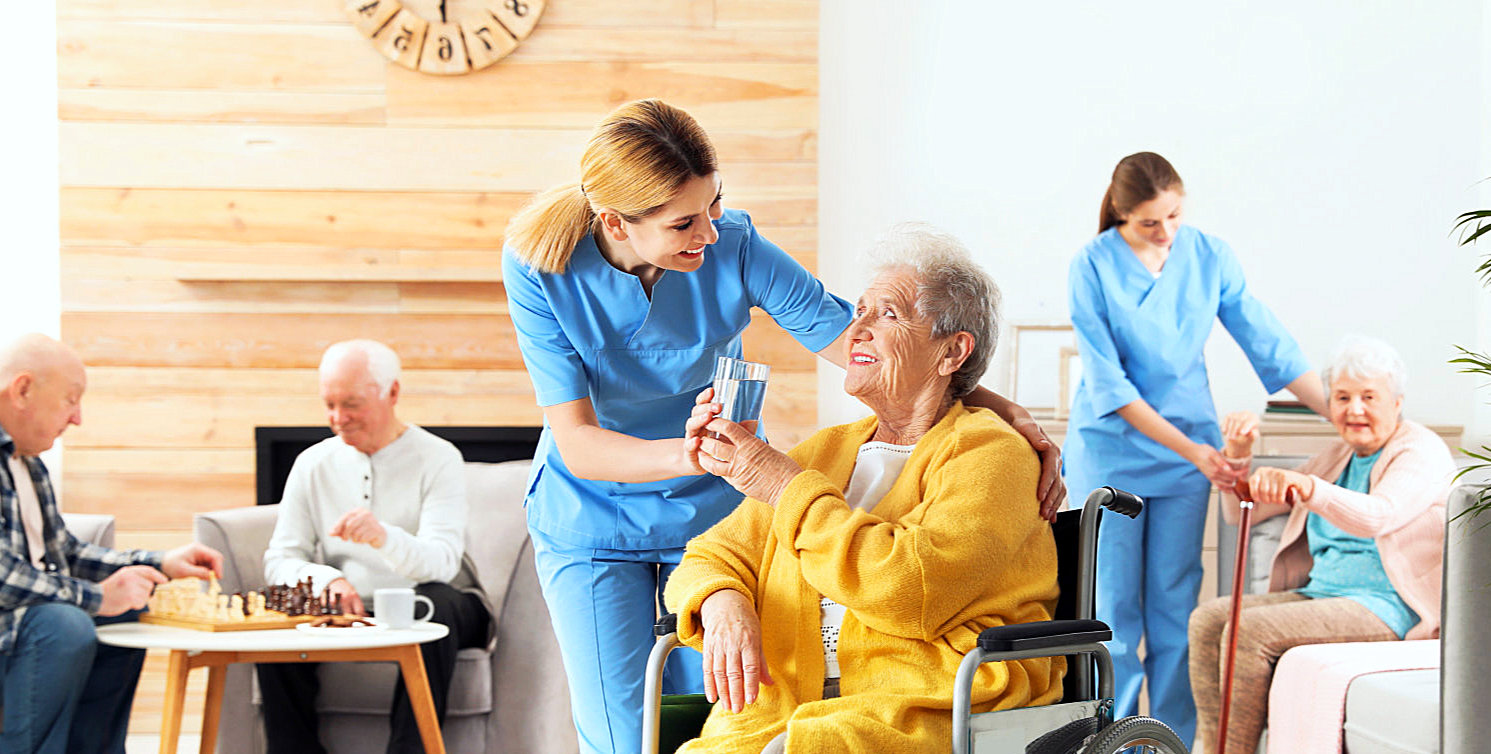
[(384, 502)]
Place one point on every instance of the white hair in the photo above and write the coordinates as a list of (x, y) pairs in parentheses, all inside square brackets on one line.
[(382, 363), (952, 291), (1366, 358)]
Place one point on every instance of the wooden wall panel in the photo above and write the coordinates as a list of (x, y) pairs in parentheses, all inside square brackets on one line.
[(342, 220), (244, 183), (726, 95), (380, 159), (585, 13)]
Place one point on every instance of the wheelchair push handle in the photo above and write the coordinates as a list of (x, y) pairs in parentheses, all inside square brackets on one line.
[(1118, 501), (667, 624)]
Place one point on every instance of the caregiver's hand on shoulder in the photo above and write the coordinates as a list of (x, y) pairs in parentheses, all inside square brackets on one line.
[(1050, 489), (746, 461), (734, 667)]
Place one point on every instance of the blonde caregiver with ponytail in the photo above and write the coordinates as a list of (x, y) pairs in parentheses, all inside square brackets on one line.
[(623, 289)]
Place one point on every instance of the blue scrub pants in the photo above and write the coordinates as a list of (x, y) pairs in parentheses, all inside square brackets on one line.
[(603, 604), (1149, 576), (65, 692)]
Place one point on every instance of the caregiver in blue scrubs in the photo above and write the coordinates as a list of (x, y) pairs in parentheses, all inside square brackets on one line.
[(1144, 295), (623, 289)]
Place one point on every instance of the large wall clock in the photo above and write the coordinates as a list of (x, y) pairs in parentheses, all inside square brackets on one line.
[(445, 36)]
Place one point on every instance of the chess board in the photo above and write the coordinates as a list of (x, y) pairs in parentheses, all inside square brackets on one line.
[(191, 603), (255, 623)]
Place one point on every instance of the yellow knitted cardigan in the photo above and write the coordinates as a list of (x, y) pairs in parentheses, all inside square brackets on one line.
[(955, 546)]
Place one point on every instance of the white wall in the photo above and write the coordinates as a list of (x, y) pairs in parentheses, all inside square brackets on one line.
[(1331, 143), (28, 194)]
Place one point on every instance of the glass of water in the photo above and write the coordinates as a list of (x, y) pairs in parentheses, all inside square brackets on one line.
[(740, 388)]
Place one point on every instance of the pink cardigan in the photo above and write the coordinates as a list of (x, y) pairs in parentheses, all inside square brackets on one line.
[(1404, 514)]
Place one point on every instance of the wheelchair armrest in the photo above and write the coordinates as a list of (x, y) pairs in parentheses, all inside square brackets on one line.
[(1048, 634)]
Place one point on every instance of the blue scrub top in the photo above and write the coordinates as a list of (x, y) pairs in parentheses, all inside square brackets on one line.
[(1142, 336), (591, 331)]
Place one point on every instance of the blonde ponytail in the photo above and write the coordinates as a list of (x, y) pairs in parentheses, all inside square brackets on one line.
[(544, 233), (635, 163)]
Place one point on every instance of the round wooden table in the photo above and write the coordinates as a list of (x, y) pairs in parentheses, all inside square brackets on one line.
[(217, 650)]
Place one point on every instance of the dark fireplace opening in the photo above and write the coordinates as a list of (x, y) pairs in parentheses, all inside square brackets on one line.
[(275, 449)]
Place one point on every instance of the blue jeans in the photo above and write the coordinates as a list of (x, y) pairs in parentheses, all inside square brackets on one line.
[(603, 604), (64, 692), (1149, 575)]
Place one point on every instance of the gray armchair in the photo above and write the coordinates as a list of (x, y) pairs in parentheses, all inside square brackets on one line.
[(512, 699), (96, 528), (1466, 680)]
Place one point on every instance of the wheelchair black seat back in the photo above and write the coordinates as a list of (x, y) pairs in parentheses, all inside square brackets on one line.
[(1082, 723)]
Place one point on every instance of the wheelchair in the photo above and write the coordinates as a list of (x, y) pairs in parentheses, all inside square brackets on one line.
[(1082, 723)]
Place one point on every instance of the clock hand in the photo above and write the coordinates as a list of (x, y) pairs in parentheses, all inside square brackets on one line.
[(442, 12)]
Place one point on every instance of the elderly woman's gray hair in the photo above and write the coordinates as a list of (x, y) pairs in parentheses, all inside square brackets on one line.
[(1366, 358), (952, 291)]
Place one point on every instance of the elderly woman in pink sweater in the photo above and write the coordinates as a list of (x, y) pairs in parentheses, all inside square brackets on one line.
[(1361, 553)]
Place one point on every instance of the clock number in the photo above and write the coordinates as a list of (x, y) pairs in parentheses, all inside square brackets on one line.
[(369, 9), (401, 42), (484, 34), (518, 7), (444, 50)]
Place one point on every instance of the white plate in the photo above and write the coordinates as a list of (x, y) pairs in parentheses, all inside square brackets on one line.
[(339, 630)]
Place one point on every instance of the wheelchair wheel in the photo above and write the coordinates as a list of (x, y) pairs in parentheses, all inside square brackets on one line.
[(1136, 734)]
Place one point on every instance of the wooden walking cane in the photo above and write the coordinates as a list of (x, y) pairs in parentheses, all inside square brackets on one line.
[(1239, 578)]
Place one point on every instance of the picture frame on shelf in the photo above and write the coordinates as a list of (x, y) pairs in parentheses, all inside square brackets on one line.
[(1035, 367), (1068, 376)]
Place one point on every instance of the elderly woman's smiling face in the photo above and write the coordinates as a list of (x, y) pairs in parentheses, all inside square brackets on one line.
[(892, 358), (1364, 410)]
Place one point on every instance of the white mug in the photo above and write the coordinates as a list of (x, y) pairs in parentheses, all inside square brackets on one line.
[(394, 607)]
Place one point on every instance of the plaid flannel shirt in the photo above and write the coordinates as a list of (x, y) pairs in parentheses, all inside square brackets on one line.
[(72, 567)]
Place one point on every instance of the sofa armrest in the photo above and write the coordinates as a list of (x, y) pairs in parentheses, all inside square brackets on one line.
[(241, 535), (94, 528), (497, 525)]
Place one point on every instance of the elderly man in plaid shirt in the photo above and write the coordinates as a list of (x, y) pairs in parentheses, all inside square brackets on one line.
[(62, 690)]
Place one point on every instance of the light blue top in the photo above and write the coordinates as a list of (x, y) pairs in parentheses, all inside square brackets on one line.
[(1349, 566), (591, 331), (1142, 336)]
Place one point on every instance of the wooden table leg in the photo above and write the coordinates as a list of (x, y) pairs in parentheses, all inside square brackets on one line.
[(170, 726), (418, 685), (212, 712)]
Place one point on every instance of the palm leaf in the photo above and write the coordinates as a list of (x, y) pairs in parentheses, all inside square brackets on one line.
[(1482, 502), (1472, 225), (1472, 362)]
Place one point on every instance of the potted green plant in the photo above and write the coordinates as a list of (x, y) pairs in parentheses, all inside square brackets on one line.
[(1465, 667), (1471, 226)]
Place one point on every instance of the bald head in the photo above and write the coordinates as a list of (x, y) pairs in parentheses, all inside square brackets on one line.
[(41, 391), (37, 354)]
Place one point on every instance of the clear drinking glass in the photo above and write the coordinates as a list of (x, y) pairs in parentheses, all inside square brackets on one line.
[(740, 388)]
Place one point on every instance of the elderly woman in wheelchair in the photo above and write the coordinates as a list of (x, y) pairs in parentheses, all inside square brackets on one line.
[(835, 605)]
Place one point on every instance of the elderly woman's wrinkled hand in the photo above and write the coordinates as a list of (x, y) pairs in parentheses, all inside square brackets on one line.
[(1280, 486), (1239, 433), (734, 668), (745, 461), (1051, 490)]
